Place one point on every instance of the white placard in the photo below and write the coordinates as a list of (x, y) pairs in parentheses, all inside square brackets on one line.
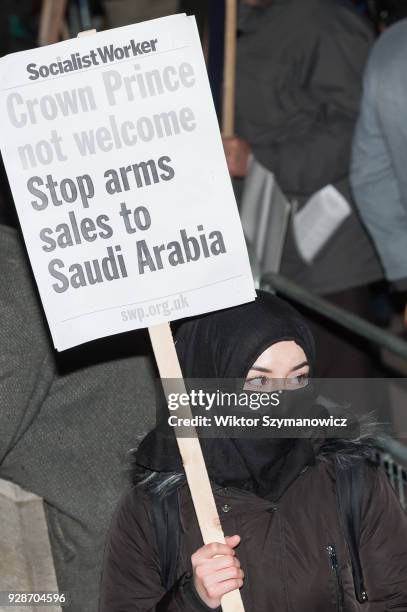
[(318, 220), (114, 157)]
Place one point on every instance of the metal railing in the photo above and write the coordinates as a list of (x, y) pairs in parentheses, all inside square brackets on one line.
[(393, 454), (393, 458), (342, 317), (397, 475)]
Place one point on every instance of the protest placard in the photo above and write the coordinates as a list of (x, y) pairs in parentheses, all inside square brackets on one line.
[(116, 165), (115, 161)]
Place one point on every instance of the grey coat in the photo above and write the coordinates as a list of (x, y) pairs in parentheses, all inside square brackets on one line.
[(379, 176)]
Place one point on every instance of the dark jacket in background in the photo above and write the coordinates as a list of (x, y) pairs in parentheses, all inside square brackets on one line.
[(299, 67), (284, 550), (66, 424)]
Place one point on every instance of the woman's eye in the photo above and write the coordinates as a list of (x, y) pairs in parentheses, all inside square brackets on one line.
[(296, 382), (259, 381)]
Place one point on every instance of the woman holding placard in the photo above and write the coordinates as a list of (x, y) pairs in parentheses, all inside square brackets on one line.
[(289, 546)]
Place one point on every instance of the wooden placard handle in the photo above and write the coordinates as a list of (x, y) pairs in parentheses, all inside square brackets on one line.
[(51, 21), (229, 70), (192, 457)]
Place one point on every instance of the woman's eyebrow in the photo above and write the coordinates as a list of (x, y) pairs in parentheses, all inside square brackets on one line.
[(260, 369), (299, 366)]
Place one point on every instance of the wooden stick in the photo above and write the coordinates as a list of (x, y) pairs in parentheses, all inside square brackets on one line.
[(192, 457), (51, 21), (229, 70)]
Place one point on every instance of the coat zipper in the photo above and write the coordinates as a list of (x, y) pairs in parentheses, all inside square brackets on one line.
[(333, 558)]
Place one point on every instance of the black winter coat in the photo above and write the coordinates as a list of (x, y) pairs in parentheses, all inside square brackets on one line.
[(299, 78), (293, 553)]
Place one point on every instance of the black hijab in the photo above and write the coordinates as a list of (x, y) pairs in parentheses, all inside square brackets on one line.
[(226, 344)]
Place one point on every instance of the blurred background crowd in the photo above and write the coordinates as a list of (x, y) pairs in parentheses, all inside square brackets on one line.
[(299, 80), (319, 103)]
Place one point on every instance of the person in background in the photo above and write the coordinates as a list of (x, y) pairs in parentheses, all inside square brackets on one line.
[(67, 421), (124, 12), (299, 74), (378, 176)]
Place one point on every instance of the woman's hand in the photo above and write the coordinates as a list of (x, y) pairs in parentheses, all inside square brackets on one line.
[(237, 153), (216, 571)]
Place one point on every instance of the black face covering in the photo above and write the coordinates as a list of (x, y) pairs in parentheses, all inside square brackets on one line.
[(226, 344)]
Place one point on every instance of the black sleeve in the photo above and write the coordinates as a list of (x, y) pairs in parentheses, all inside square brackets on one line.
[(193, 597), (131, 580)]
